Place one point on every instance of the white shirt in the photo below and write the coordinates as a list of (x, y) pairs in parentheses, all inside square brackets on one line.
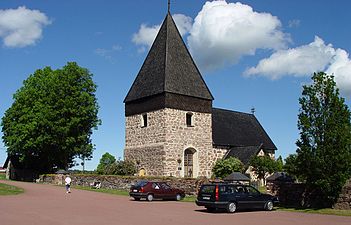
[(68, 180)]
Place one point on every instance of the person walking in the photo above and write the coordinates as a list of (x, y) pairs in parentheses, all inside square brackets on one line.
[(68, 181)]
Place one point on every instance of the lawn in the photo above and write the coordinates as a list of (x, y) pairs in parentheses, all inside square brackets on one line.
[(10, 190), (327, 211), (2, 176)]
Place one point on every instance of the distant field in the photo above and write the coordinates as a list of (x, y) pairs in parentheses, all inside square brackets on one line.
[(10, 190)]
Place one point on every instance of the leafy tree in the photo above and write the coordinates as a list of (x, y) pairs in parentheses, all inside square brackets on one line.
[(261, 165), (323, 155), (280, 164), (125, 168), (51, 119), (106, 163), (291, 165), (225, 167)]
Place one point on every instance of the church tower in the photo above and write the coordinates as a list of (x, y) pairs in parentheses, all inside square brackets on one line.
[(168, 111)]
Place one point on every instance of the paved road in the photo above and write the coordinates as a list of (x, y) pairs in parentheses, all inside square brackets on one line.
[(50, 205)]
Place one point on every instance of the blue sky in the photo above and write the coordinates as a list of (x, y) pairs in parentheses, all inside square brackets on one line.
[(251, 54)]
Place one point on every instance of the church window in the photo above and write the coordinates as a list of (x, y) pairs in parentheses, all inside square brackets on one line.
[(144, 120), (189, 119)]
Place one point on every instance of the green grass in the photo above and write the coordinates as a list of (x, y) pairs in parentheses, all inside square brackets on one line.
[(2, 176), (123, 192), (10, 190), (326, 211)]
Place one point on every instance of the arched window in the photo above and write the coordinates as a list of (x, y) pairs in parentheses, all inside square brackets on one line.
[(189, 119), (189, 162)]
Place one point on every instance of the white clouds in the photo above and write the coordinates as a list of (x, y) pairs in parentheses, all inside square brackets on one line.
[(341, 68), (300, 61), (223, 32), (21, 27), (304, 61), (147, 34)]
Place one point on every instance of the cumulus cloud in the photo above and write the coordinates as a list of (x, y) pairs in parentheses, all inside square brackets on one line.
[(21, 27), (340, 66), (147, 34), (305, 60), (223, 32), (300, 61)]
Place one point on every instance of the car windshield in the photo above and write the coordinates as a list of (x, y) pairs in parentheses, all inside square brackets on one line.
[(141, 183)]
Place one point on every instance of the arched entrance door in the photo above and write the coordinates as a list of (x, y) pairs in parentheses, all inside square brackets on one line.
[(142, 172), (189, 162)]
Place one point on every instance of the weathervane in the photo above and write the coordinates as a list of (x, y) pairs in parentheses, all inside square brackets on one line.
[(169, 5)]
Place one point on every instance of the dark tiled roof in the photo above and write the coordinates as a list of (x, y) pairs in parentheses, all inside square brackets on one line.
[(168, 67), (243, 153), (236, 176), (236, 129)]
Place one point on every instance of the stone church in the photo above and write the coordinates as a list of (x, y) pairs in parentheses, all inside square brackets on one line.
[(171, 127)]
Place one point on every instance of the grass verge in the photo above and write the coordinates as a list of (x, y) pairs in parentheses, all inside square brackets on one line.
[(123, 192), (2, 176), (6, 189), (326, 211)]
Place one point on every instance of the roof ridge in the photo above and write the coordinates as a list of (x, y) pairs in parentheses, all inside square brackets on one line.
[(234, 111)]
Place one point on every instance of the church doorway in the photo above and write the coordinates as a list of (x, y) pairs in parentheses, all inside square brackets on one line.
[(189, 162), (142, 172)]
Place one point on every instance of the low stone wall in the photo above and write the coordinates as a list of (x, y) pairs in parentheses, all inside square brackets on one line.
[(344, 200), (190, 186)]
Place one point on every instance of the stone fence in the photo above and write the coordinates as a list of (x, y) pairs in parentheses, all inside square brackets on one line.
[(297, 195), (189, 185)]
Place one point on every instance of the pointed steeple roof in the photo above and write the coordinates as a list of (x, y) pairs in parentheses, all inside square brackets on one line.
[(169, 68)]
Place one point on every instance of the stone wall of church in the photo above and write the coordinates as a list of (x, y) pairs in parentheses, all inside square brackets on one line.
[(180, 137), (145, 145), (159, 147)]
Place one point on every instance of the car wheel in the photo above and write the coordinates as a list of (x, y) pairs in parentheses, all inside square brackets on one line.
[(211, 209), (269, 205), (137, 199), (150, 197), (231, 207), (178, 197)]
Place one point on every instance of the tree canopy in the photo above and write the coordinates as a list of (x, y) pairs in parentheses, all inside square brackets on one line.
[(225, 167), (263, 165), (106, 161), (52, 117), (323, 157)]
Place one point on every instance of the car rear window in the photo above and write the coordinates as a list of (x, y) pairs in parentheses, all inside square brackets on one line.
[(141, 183), (208, 189)]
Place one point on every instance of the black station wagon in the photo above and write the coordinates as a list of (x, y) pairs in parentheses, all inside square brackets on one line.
[(232, 197)]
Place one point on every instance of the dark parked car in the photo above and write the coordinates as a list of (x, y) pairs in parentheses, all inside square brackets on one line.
[(232, 197), (155, 190)]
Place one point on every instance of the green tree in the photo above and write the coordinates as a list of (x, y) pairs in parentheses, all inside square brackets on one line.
[(51, 119), (323, 154), (225, 167), (280, 164), (263, 165), (291, 166), (106, 164)]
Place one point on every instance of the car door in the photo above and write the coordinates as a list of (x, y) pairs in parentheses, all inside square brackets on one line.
[(242, 197), (166, 191), (254, 198), (156, 189)]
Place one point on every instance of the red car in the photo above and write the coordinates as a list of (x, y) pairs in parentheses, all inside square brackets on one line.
[(155, 190)]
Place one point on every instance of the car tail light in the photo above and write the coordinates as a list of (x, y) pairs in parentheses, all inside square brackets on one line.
[(141, 189), (217, 193)]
